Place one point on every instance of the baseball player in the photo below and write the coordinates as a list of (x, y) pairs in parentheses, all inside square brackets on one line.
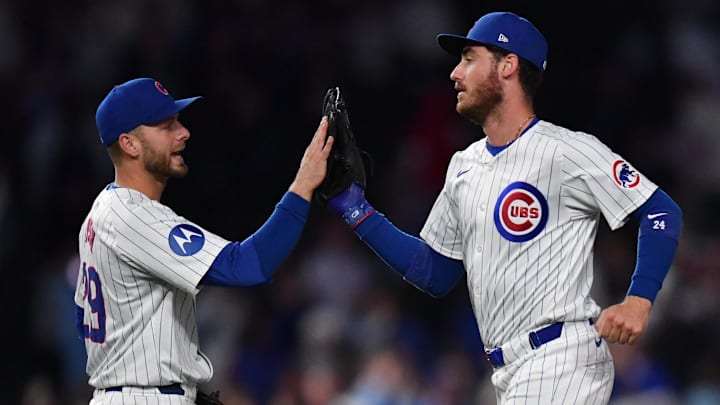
[(142, 264), (518, 213)]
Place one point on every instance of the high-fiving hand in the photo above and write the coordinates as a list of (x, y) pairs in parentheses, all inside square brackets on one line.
[(313, 166)]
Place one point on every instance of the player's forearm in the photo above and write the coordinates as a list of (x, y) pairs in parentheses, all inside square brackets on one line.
[(655, 255), (660, 225), (254, 260), (276, 239), (410, 256)]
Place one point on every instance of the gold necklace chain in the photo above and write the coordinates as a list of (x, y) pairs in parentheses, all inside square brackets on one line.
[(519, 130)]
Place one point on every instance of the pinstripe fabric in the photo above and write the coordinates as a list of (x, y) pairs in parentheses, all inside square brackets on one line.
[(148, 294), (569, 370), (519, 286)]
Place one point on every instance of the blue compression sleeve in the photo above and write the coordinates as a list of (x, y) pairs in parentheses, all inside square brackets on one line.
[(254, 260), (421, 266), (660, 224)]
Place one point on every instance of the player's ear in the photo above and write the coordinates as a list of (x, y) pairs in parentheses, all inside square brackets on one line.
[(129, 144), (509, 65)]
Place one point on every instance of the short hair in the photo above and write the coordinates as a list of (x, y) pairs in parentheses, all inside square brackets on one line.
[(530, 76)]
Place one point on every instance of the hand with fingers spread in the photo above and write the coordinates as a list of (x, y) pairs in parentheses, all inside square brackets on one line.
[(313, 166), (624, 323)]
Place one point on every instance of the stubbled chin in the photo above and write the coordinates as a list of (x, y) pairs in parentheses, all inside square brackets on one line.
[(180, 172), (462, 100)]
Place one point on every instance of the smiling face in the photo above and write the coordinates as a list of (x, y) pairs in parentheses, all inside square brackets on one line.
[(477, 82), (162, 144)]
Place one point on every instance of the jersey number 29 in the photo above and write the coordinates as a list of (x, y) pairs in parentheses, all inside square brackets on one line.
[(95, 331)]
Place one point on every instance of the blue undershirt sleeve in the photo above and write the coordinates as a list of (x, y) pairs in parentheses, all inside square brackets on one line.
[(660, 225), (410, 256), (254, 260)]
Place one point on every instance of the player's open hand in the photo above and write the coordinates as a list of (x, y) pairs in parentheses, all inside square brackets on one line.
[(624, 323), (313, 166)]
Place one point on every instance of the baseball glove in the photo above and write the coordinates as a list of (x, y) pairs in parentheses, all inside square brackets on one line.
[(345, 164), (205, 399)]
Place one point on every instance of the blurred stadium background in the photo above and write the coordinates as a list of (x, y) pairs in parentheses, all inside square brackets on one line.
[(337, 326)]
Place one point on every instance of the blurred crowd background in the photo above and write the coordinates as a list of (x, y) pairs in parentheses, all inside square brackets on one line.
[(337, 326)]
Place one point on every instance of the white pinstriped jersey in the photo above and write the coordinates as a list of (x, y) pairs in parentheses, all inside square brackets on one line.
[(524, 222), (140, 268)]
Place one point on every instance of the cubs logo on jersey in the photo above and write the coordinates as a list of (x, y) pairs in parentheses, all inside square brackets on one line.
[(521, 212), (90, 234), (186, 239), (625, 175)]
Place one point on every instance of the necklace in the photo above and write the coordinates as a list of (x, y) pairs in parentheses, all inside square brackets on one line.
[(519, 130)]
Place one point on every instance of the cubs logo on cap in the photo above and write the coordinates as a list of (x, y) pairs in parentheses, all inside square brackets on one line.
[(131, 104), (186, 239), (521, 212), (161, 88), (625, 175)]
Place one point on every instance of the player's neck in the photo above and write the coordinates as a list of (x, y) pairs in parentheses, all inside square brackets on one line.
[(502, 130), (142, 182)]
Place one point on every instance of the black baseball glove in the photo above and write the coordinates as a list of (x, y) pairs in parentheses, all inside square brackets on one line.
[(205, 399), (345, 164)]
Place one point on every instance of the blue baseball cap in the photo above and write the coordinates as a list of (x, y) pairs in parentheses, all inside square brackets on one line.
[(505, 30), (136, 102)]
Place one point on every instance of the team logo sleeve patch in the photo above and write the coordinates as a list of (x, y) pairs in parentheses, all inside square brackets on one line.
[(521, 212), (186, 239), (625, 175)]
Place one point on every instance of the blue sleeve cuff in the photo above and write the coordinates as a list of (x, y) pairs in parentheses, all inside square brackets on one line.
[(295, 205), (369, 224), (645, 287)]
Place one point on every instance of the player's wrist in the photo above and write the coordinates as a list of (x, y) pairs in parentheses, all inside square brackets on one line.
[(351, 205), (638, 301), (304, 192)]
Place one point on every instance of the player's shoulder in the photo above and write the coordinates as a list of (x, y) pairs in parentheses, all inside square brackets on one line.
[(474, 149), (132, 204), (129, 196), (465, 157), (566, 139)]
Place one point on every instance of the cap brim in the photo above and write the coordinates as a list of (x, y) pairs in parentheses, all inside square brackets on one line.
[(169, 112), (454, 44), (183, 103)]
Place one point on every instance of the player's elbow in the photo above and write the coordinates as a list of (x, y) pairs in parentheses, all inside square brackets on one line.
[(434, 273), (430, 290), (438, 292), (435, 288), (443, 287), (678, 211)]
